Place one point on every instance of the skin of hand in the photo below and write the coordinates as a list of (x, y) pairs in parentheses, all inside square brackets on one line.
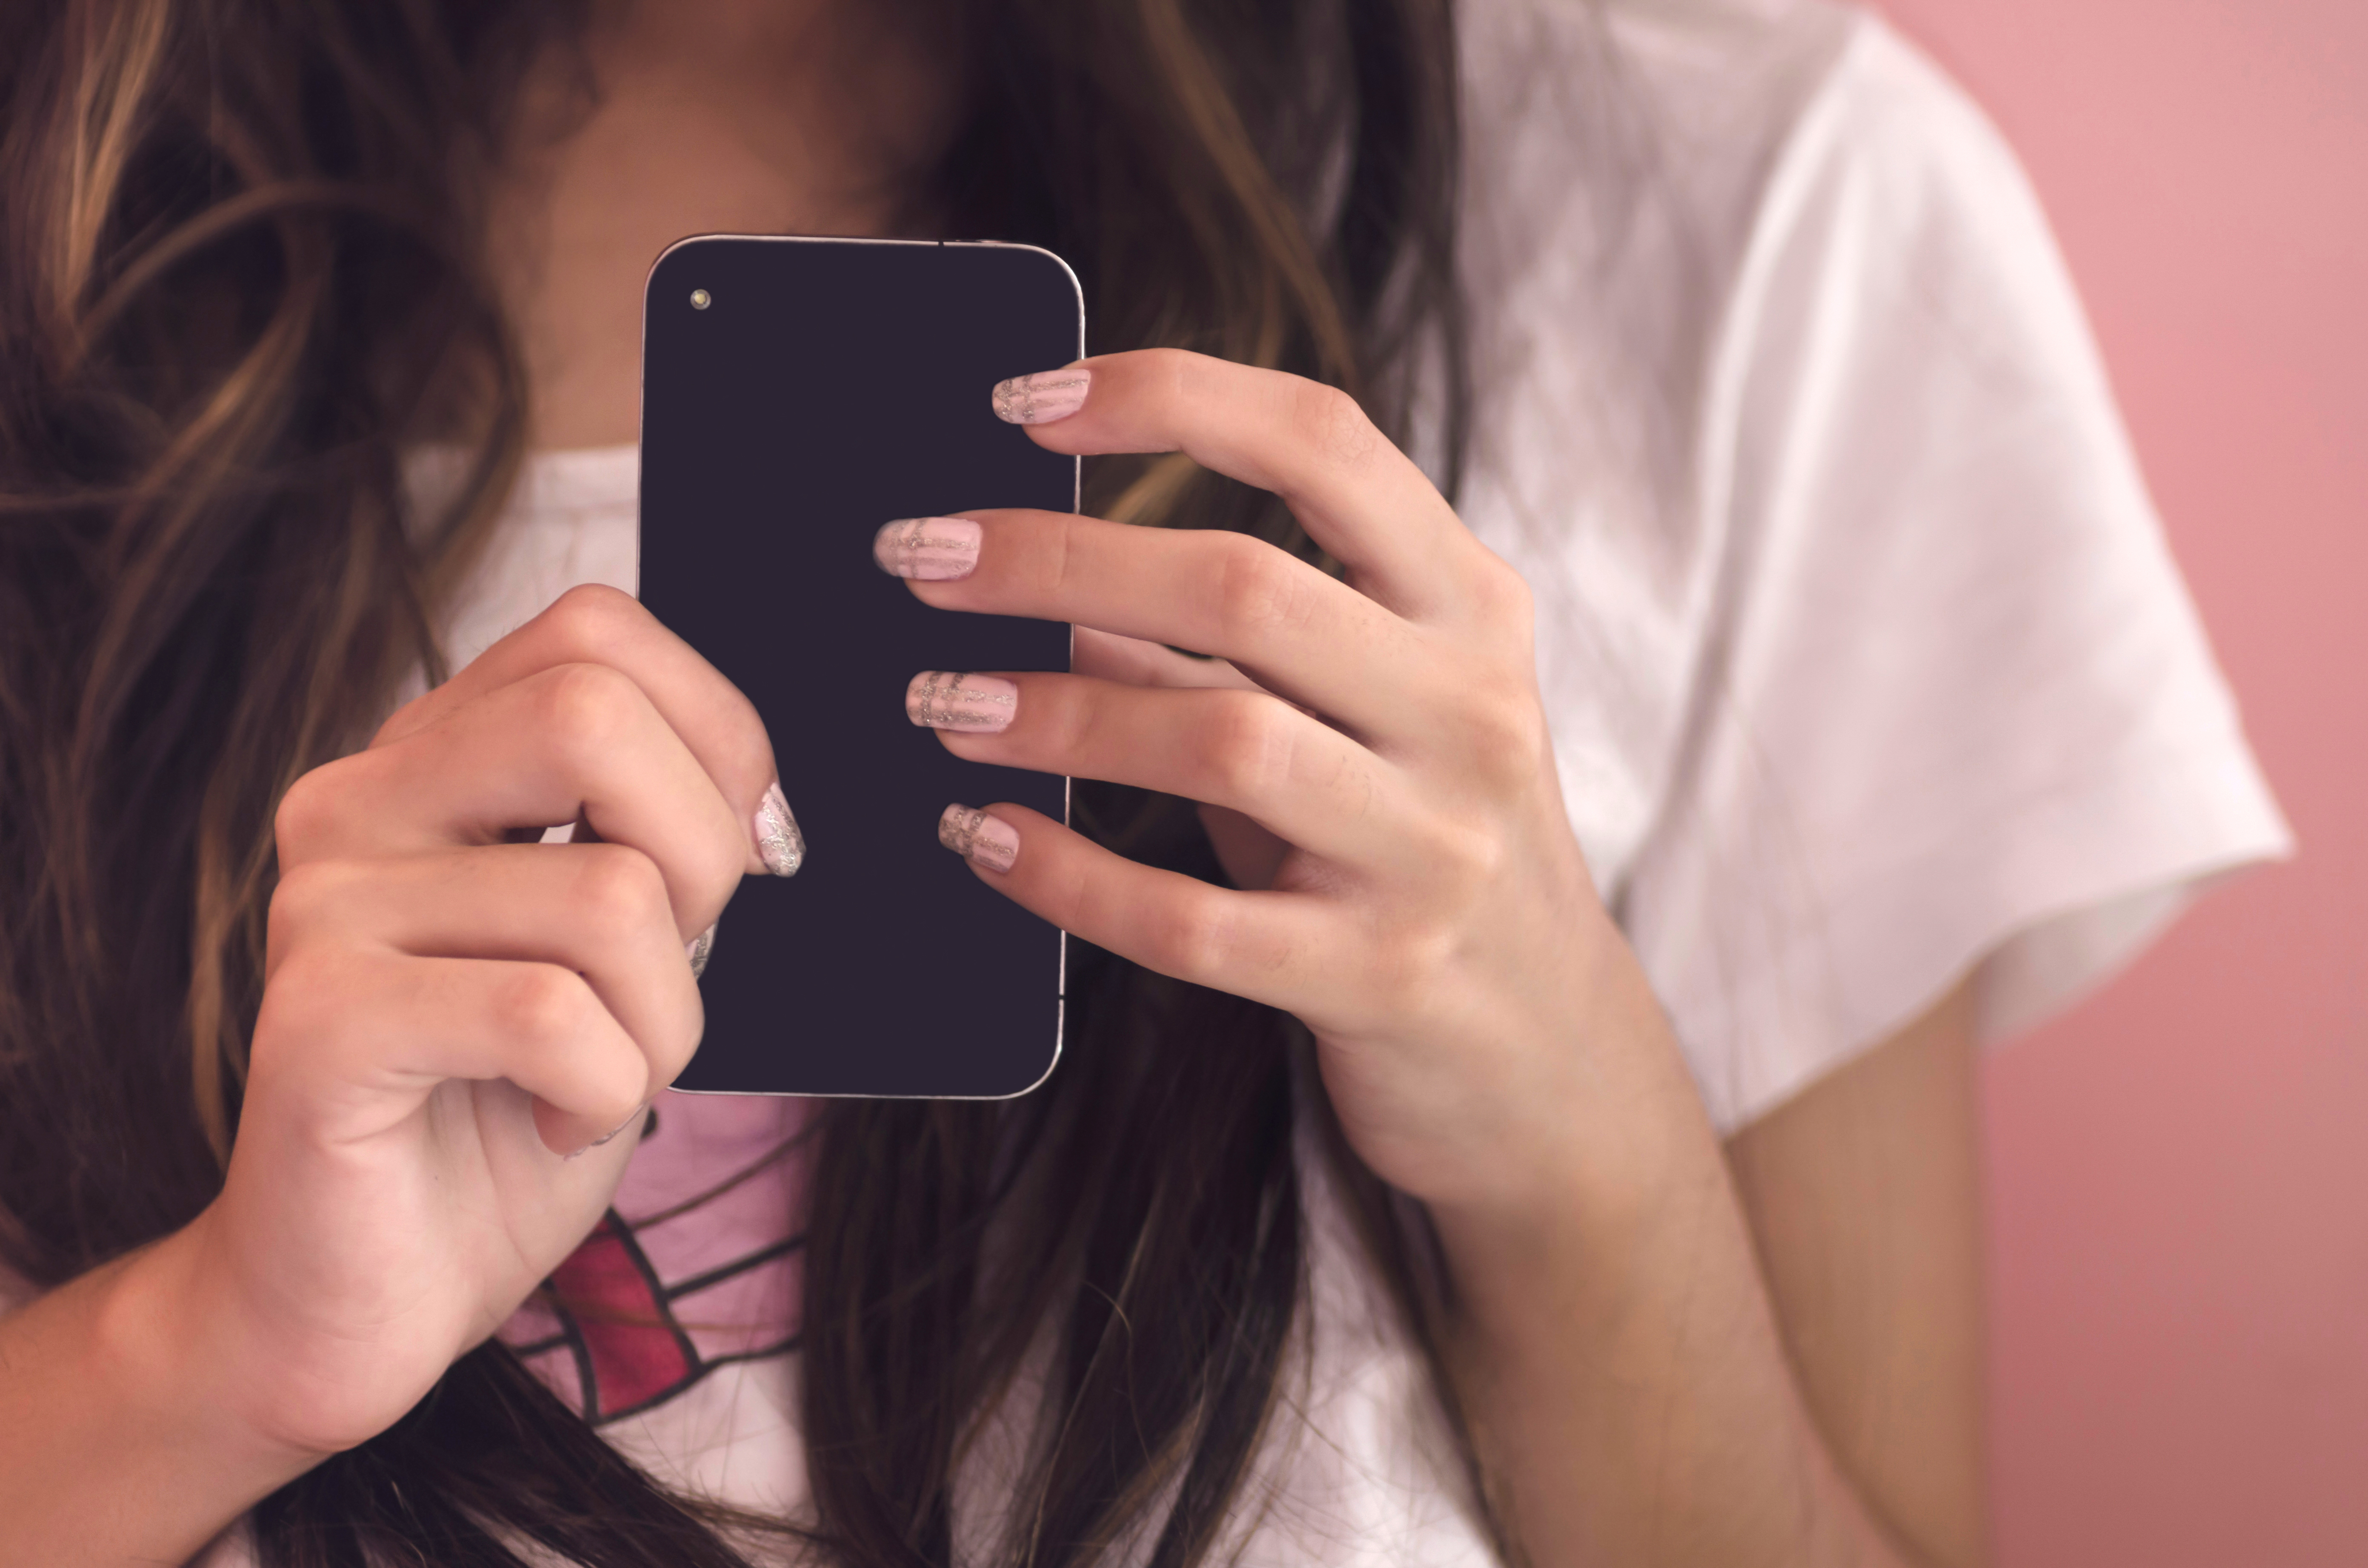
[(1434, 892), (452, 1021), (1375, 765), (1433, 920), (446, 1014), (459, 1034)]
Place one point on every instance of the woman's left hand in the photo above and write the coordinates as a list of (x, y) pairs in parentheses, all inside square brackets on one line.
[(1431, 917)]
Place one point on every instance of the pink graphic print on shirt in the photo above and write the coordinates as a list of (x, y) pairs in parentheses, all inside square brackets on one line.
[(698, 1264)]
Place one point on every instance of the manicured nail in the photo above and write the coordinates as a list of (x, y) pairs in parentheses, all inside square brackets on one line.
[(946, 700), (1044, 397), (779, 843), (928, 550), (978, 839), (697, 950)]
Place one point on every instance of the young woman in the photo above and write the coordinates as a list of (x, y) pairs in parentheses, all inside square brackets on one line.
[(1521, 1098)]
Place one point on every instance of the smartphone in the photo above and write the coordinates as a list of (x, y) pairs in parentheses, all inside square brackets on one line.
[(796, 394)]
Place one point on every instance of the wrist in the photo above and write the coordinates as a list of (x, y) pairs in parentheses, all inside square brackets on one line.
[(1628, 1179), (168, 1344), (117, 1443), (1600, 1146)]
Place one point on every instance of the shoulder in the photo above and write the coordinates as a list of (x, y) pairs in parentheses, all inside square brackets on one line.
[(1862, 649), (1701, 94), (1889, 172), (1598, 122), (1672, 205)]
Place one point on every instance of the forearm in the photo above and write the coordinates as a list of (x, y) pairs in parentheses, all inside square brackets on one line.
[(1624, 1367), (115, 1445)]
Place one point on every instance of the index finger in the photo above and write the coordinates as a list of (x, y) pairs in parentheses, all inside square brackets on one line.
[(593, 624), (1359, 496)]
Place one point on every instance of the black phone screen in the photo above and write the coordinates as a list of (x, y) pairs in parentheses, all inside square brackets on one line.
[(795, 395)]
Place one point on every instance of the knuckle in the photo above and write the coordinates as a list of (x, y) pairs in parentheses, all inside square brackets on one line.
[(585, 709), (1333, 423), (1169, 376), (590, 619), (1502, 596), (1063, 719), (1408, 963), (303, 899), (592, 627), (1261, 591), (1197, 939), (620, 889), (309, 811), (1467, 855), (540, 1006), (1505, 736), (1051, 554), (1246, 748)]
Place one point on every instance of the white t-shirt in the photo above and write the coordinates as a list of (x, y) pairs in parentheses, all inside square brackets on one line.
[(1866, 663)]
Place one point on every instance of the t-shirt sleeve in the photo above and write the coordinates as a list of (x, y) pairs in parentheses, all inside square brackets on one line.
[(1955, 713)]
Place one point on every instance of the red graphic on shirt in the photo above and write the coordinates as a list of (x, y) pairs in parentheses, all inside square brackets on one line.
[(624, 1331), (637, 1351), (703, 1276)]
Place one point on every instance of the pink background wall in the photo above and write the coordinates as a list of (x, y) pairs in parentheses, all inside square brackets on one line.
[(2179, 1169)]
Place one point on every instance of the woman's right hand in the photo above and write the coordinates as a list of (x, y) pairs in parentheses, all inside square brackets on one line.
[(453, 1020)]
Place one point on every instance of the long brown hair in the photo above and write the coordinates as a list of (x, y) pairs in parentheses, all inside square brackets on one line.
[(239, 273)]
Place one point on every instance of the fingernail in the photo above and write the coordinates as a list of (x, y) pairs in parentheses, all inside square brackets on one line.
[(1044, 397), (697, 950), (948, 699), (779, 843), (614, 1133), (978, 839), (928, 550)]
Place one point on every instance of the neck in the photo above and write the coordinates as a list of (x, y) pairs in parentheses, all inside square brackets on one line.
[(696, 116)]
